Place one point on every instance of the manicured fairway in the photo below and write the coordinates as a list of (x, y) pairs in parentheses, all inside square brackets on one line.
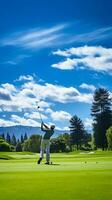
[(75, 176)]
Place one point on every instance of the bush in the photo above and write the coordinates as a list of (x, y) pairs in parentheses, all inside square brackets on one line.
[(58, 145), (86, 148), (19, 147), (32, 144), (25, 146), (12, 148), (67, 149), (4, 146), (109, 138)]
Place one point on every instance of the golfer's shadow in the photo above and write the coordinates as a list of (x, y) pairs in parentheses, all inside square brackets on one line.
[(56, 164)]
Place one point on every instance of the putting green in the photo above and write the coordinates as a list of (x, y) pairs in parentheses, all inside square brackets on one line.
[(80, 176)]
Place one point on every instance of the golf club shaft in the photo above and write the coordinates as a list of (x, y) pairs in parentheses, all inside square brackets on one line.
[(39, 112), (40, 116)]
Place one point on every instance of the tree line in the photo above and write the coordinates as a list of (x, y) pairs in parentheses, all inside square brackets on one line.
[(62, 143), (8, 143)]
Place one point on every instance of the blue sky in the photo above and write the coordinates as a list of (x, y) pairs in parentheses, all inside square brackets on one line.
[(54, 52)]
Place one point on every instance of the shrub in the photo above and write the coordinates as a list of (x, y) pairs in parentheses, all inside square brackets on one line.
[(4, 146), (18, 147), (109, 138)]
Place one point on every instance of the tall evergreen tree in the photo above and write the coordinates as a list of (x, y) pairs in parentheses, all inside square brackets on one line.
[(25, 137), (18, 141), (3, 136), (77, 131), (22, 139), (109, 138), (13, 141), (8, 138), (18, 147), (102, 116)]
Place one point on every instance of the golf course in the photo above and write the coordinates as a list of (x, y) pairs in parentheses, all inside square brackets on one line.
[(76, 175)]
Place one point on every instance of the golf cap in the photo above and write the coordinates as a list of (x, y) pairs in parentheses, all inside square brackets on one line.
[(52, 126)]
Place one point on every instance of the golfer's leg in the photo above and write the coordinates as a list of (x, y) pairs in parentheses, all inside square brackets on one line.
[(48, 152), (42, 150)]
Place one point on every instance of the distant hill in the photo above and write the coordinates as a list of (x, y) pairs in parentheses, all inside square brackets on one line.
[(21, 130)]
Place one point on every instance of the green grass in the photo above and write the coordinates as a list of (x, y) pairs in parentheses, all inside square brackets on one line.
[(73, 176)]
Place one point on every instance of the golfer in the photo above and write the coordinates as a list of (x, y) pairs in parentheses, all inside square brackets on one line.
[(45, 142)]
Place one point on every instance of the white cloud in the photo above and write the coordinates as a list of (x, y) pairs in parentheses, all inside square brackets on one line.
[(24, 102), (9, 88), (21, 99), (64, 129), (4, 96), (25, 122), (47, 95), (96, 58), (110, 94), (65, 65), (84, 98), (60, 115), (25, 78), (61, 53), (35, 115), (88, 123), (88, 87), (24, 97), (83, 51), (48, 111), (4, 123), (56, 93)]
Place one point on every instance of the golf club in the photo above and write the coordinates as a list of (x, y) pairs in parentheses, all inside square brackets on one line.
[(39, 111)]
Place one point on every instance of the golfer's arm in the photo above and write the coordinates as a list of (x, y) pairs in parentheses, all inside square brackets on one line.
[(44, 127)]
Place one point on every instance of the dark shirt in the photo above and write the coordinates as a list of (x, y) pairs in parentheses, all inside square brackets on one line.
[(48, 132)]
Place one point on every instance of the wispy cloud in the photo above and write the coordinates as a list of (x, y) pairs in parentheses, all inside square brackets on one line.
[(87, 37), (92, 36), (17, 60), (96, 58), (62, 34), (36, 38)]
